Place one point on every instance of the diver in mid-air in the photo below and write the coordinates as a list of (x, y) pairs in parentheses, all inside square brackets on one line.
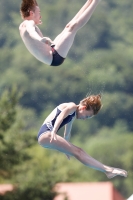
[(43, 48), (64, 115)]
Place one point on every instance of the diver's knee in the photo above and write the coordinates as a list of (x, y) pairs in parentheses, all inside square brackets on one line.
[(77, 153)]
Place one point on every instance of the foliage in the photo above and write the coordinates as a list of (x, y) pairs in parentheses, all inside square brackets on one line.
[(16, 140), (7, 109)]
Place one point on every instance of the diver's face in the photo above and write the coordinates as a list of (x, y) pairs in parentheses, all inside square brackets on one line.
[(82, 113), (37, 15)]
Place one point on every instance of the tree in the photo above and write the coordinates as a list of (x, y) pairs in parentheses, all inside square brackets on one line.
[(15, 142)]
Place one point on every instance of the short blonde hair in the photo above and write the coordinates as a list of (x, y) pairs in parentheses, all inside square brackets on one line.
[(26, 7), (92, 102)]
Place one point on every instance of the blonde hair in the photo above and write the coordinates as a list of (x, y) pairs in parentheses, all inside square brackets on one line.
[(26, 7), (92, 102)]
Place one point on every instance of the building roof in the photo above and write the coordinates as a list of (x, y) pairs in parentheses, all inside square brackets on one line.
[(87, 191)]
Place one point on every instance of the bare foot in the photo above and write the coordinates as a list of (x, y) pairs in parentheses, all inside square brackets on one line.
[(116, 172)]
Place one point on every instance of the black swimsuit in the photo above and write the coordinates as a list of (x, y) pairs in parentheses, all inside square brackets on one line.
[(57, 59)]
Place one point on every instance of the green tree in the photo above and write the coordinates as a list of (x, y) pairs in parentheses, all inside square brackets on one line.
[(16, 160)]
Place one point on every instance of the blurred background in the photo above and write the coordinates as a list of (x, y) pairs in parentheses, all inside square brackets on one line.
[(100, 61)]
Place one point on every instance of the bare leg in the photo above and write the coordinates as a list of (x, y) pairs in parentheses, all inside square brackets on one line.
[(65, 147), (64, 41), (85, 6)]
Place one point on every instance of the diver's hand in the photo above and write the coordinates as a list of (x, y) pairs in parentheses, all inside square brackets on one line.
[(47, 40), (53, 136)]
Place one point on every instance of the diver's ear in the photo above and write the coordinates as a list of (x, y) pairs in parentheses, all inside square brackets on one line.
[(31, 13)]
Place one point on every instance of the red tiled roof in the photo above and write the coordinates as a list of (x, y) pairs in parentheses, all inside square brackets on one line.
[(87, 191)]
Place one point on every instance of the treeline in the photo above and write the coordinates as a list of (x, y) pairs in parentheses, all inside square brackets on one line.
[(100, 61)]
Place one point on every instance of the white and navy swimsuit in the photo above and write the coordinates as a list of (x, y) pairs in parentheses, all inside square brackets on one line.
[(48, 126)]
